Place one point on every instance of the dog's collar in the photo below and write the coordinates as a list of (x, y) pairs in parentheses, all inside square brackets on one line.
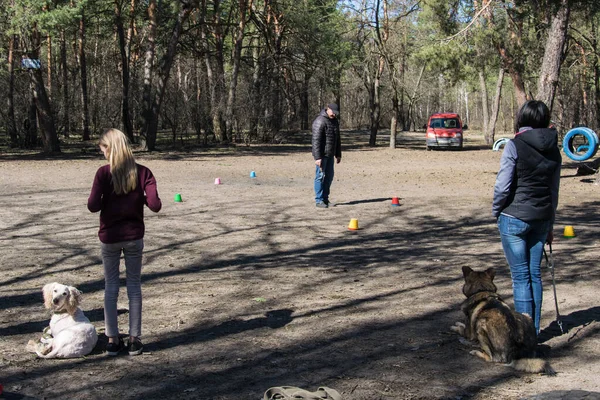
[(60, 312), (480, 296)]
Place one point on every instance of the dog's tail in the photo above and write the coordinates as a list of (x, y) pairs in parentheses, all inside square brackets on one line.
[(533, 365)]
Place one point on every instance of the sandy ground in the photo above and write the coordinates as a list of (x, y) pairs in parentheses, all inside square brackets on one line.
[(247, 285)]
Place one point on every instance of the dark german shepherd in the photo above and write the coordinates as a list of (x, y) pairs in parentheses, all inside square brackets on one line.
[(504, 335)]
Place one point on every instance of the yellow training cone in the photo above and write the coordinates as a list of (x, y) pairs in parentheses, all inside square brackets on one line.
[(353, 226), (569, 232)]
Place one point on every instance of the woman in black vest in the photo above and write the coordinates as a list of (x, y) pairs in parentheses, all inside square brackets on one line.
[(525, 201)]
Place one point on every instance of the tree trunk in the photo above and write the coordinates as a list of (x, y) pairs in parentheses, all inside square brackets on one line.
[(65, 82), (163, 77), (273, 117), (205, 85), (376, 104), (336, 88), (403, 113), (85, 116), (514, 66), (484, 105), (553, 55), (31, 125), (382, 36), (49, 66), (411, 100), (394, 121), (219, 73), (197, 116), (209, 78), (291, 86), (215, 78), (148, 72), (10, 101), (396, 106), (596, 66), (256, 92), (42, 103), (518, 86), (466, 98), (130, 28), (132, 59), (496, 107), (236, 57), (583, 79), (125, 114), (304, 122), (44, 112)]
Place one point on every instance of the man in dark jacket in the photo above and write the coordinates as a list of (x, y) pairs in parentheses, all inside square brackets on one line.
[(326, 145)]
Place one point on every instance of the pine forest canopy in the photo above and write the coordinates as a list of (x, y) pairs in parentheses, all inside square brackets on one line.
[(231, 71)]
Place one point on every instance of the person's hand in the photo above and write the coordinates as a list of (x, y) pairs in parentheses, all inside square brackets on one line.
[(550, 237), (338, 160), (318, 163)]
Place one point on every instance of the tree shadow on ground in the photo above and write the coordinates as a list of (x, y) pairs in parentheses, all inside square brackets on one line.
[(95, 315), (365, 201), (224, 357), (569, 322), (565, 395), (273, 319)]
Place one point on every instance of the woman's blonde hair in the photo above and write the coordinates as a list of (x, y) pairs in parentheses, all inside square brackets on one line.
[(121, 161)]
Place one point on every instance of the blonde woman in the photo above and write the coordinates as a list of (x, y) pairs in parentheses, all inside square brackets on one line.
[(120, 191)]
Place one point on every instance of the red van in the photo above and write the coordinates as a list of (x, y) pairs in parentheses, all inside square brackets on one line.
[(444, 130)]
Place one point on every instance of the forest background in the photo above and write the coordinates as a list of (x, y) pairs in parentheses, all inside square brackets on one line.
[(223, 71)]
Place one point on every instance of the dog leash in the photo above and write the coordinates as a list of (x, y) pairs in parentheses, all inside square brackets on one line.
[(550, 265)]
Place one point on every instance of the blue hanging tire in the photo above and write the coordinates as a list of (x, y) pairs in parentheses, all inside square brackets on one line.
[(597, 141), (499, 143), (591, 147)]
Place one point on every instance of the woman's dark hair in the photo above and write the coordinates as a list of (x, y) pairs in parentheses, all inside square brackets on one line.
[(534, 114)]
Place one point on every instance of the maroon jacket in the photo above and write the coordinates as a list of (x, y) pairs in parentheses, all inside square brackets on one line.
[(122, 216)]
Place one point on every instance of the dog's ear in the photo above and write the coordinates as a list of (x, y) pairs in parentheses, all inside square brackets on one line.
[(466, 271), (491, 272), (47, 291), (74, 297)]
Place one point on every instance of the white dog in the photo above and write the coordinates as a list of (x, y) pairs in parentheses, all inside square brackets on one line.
[(70, 333)]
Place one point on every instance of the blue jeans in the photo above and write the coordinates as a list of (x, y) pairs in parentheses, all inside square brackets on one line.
[(523, 244), (323, 179), (111, 258)]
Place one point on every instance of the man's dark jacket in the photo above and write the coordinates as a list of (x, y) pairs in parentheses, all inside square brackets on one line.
[(326, 137)]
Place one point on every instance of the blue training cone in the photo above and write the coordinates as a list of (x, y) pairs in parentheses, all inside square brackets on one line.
[(252, 174)]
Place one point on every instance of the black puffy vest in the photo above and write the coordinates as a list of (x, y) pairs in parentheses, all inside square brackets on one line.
[(538, 157)]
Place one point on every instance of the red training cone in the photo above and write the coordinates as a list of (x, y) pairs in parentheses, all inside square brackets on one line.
[(395, 201)]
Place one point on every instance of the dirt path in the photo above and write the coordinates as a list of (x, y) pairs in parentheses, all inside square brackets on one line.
[(247, 285)]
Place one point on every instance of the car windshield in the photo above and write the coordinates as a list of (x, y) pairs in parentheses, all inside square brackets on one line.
[(444, 123)]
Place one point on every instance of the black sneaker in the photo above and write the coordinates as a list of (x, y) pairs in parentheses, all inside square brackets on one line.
[(322, 205), (135, 347), (113, 349)]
